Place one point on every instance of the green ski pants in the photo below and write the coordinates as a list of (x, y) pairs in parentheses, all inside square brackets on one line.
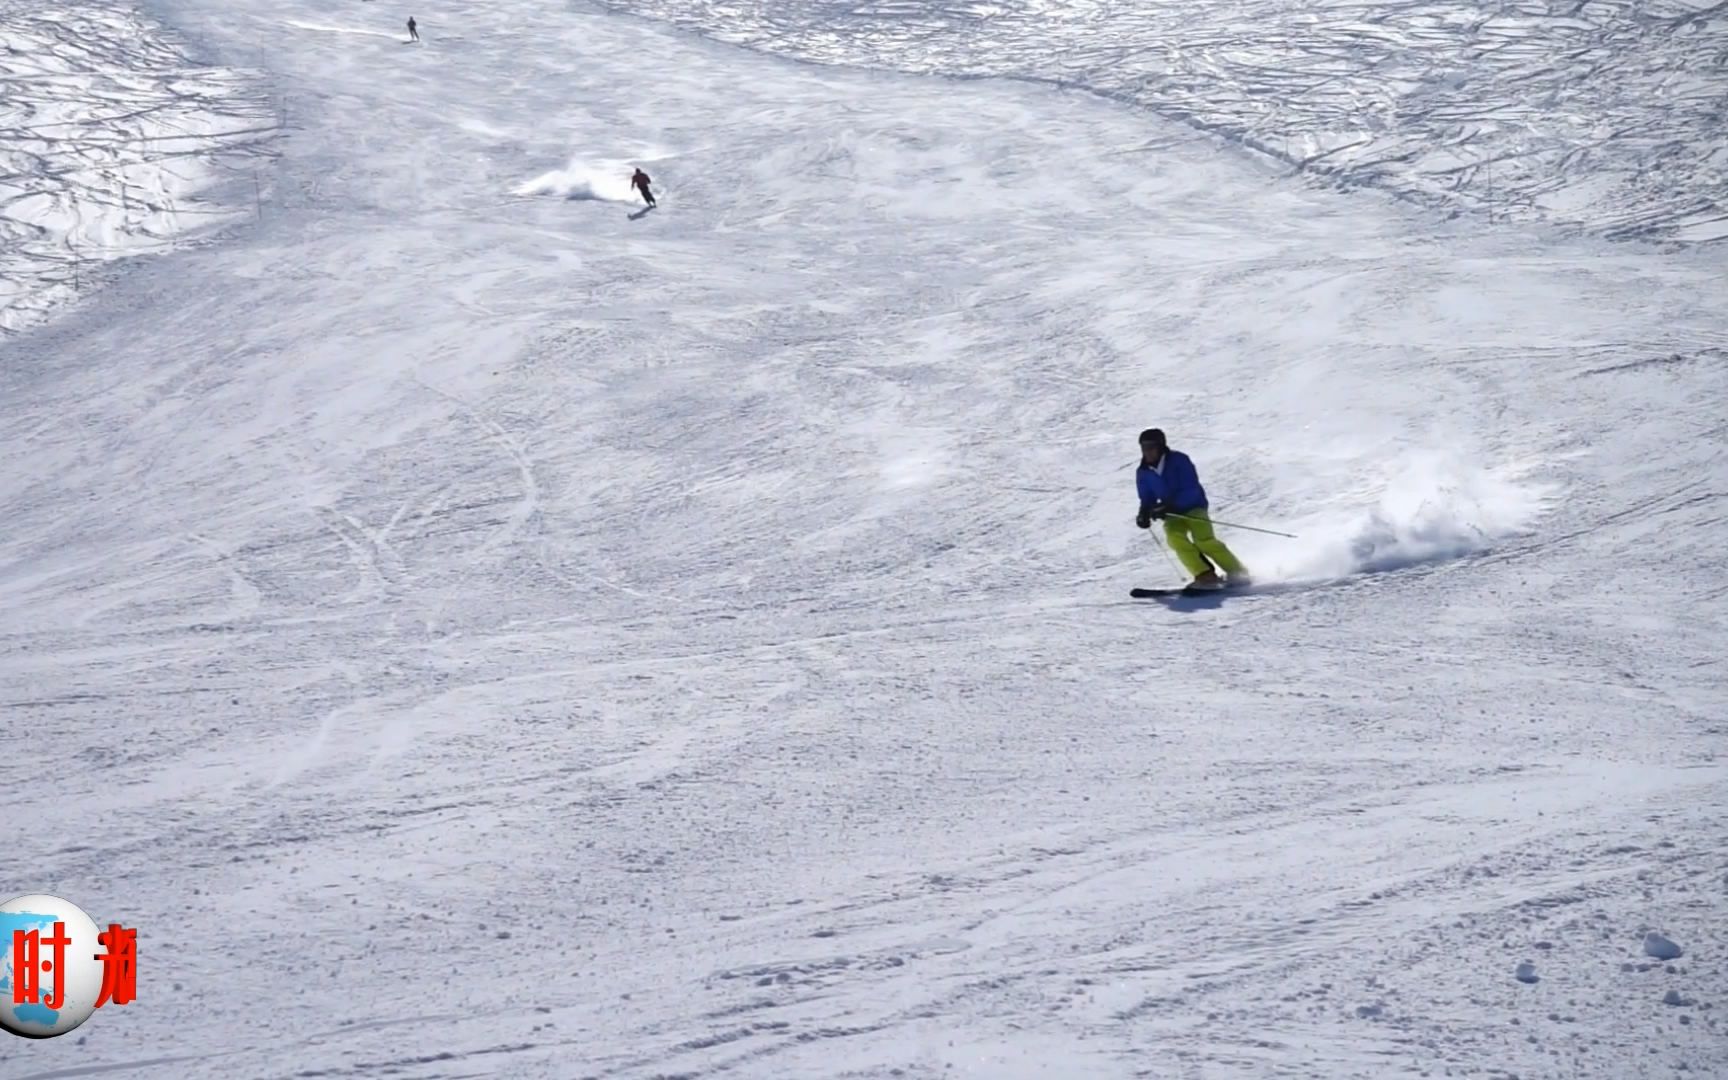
[(1191, 539)]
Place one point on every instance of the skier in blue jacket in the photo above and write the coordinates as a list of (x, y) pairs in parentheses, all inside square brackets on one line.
[(1170, 491)]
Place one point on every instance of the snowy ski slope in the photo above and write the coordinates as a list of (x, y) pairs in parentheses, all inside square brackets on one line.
[(112, 144), (1603, 115), (471, 628)]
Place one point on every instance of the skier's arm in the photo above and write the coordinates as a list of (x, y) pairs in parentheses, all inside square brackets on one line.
[(1149, 486)]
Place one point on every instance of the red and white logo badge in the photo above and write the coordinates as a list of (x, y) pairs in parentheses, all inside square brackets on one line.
[(56, 967)]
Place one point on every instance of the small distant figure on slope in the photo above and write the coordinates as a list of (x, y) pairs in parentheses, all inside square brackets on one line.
[(1170, 491), (640, 182), (413, 29)]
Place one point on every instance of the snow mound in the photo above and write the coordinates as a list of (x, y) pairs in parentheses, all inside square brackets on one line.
[(602, 182), (1660, 947)]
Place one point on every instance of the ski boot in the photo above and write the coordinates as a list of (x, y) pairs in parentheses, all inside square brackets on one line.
[(1206, 581)]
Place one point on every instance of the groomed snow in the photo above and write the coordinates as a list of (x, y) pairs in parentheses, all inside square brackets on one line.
[(471, 628)]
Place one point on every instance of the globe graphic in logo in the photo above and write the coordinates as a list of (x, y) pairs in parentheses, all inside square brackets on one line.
[(80, 982)]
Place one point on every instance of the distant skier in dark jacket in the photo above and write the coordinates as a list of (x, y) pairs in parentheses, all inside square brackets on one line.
[(413, 29), (640, 182), (1169, 488)]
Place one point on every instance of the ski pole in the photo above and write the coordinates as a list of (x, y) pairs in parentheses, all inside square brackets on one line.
[(1233, 525), (1164, 549)]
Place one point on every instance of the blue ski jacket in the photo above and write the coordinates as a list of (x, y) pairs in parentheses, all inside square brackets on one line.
[(1177, 487)]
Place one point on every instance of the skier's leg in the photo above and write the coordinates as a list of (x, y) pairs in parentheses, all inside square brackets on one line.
[(1200, 529), (1176, 531)]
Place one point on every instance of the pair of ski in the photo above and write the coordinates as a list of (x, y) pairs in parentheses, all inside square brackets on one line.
[(1183, 590)]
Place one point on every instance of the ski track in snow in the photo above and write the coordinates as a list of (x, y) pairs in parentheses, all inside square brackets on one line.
[(1599, 115), (471, 632), (112, 144)]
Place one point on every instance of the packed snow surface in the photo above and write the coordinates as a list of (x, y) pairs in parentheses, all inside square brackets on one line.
[(470, 627), (112, 143), (1605, 115)]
